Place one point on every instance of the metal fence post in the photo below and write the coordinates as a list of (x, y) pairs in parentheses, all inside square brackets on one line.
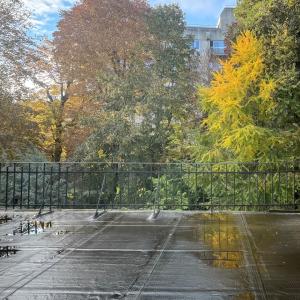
[(211, 188), (21, 192), (58, 185), (6, 188), (0, 181), (36, 186), (14, 186), (28, 186), (51, 188)]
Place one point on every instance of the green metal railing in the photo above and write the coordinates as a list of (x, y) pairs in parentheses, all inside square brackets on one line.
[(194, 186)]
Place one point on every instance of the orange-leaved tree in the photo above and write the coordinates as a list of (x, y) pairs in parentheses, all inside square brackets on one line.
[(59, 127), (99, 36), (57, 106)]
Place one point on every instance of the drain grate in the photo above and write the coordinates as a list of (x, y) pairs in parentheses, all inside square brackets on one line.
[(6, 251)]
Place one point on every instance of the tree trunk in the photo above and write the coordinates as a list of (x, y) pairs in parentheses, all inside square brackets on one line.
[(58, 138), (59, 130)]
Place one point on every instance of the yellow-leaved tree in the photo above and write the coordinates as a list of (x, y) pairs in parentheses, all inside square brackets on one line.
[(238, 107), (58, 122)]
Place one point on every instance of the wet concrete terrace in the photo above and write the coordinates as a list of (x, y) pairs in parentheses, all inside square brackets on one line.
[(126, 255)]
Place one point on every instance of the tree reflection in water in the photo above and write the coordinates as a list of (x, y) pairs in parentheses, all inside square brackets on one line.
[(222, 236)]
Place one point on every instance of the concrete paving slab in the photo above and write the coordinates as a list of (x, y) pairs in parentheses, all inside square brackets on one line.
[(126, 255)]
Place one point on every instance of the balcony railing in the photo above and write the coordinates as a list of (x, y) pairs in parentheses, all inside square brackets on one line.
[(237, 186)]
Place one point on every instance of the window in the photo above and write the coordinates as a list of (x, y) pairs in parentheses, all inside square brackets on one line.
[(196, 44), (218, 44), (218, 47)]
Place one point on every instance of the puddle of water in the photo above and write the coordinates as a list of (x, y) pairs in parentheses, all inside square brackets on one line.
[(220, 240), (61, 232), (31, 227), (276, 249), (4, 219), (245, 296), (6, 251), (220, 236)]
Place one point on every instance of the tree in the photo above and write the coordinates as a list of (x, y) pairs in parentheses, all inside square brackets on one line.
[(16, 47), (205, 63), (277, 24), (58, 106), (240, 105), (141, 108), (59, 129), (168, 101), (99, 36), (50, 77), (17, 134)]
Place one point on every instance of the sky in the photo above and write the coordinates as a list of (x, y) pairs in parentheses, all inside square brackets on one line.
[(45, 13)]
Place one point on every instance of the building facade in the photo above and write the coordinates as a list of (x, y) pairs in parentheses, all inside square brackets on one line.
[(212, 38)]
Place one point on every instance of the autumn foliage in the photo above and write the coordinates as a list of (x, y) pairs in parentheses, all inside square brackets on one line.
[(59, 126), (239, 104), (99, 35), (119, 81)]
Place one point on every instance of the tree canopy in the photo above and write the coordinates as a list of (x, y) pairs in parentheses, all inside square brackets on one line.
[(120, 81), (141, 107), (96, 36), (277, 24), (16, 47), (239, 104)]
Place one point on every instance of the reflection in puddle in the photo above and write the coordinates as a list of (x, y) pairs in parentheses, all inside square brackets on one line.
[(227, 260), (61, 232), (219, 249), (5, 219), (219, 234), (219, 237), (223, 234), (6, 251), (221, 259), (31, 227), (245, 296)]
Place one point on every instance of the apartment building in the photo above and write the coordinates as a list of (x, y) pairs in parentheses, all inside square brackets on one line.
[(212, 38)]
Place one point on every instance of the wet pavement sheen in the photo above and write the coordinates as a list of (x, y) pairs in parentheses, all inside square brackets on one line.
[(126, 255)]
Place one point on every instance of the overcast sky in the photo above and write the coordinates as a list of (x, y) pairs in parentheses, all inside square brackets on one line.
[(202, 12)]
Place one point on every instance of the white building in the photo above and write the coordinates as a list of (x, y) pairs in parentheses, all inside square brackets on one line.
[(212, 38)]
